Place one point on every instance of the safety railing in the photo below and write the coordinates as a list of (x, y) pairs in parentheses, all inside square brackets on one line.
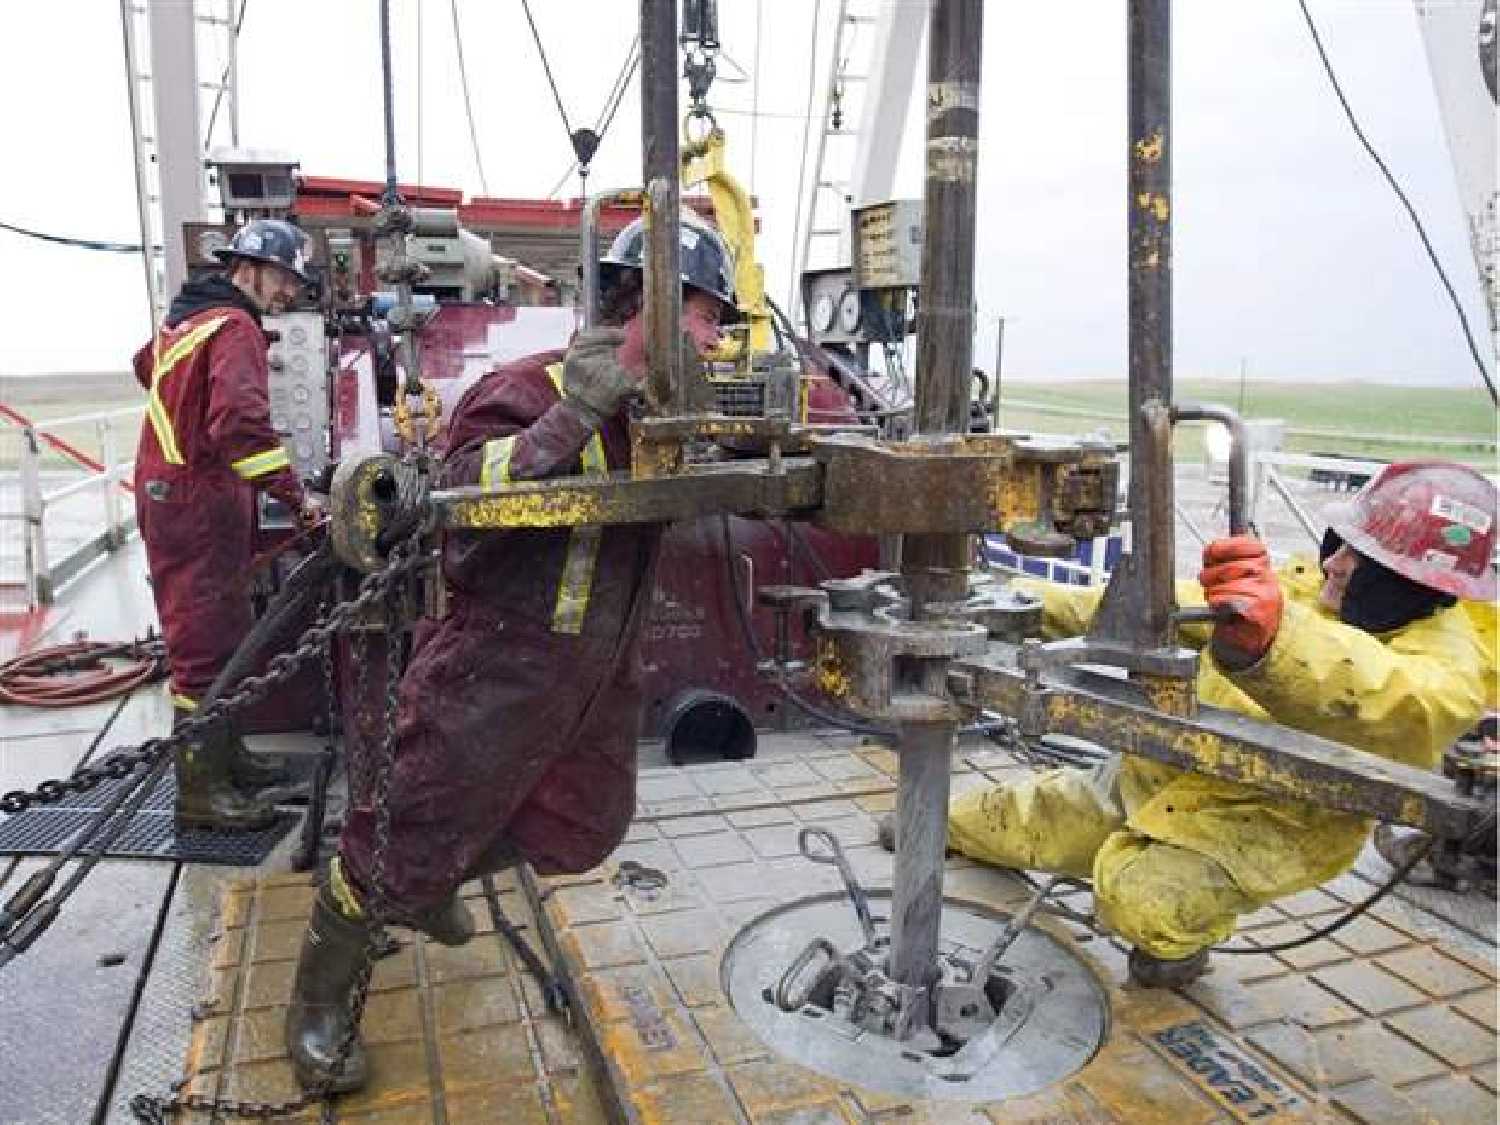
[(73, 505)]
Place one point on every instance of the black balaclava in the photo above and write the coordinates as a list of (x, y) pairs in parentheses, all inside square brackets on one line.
[(1378, 599)]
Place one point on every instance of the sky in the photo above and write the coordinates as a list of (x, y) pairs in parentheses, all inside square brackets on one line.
[(1291, 256)]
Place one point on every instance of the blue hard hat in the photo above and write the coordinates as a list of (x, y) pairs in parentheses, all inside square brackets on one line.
[(270, 240)]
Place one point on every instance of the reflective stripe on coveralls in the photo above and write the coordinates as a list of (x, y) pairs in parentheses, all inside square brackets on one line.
[(1175, 856), (156, 410), (583, 542), (259, 464)]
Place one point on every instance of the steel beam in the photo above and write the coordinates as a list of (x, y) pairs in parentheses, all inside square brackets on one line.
[(1287, 764), (174, 92)]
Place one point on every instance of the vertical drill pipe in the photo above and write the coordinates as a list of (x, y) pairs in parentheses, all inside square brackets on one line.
[(1149, 204), (936, 566), (662, 177), (389, 95), (921, 840)]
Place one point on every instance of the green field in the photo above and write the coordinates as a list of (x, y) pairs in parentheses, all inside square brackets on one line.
[(1359, 419)]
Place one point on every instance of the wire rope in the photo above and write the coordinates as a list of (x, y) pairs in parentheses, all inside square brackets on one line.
[(1411, 211), (468, 105)]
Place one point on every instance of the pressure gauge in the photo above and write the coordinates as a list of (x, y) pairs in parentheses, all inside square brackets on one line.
[(849, 312), (822, 312), (209, 241)]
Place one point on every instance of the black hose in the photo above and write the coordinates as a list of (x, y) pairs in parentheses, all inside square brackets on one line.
[(1344, 919), (290, 605), (752, 644)]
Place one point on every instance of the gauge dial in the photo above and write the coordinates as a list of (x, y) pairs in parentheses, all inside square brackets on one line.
[(849, 312), (822, 312)]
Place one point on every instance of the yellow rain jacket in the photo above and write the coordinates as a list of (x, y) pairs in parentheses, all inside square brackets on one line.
[(1175, 856)]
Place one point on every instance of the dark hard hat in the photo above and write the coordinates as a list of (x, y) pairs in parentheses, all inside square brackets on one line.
[(705, 260), (269, 240), (1431, 521)]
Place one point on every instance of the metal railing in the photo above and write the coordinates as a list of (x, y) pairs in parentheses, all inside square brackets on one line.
[(42, 576)]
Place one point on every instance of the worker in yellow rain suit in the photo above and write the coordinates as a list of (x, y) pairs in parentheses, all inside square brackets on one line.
[(1374, 652)]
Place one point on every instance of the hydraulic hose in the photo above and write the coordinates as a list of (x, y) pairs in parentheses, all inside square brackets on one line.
[(80, 672)]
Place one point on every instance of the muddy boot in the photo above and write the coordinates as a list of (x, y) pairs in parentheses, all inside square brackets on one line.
[(317, 1019), (1162, 972), (449, 923), (252, 773), (206, 796)]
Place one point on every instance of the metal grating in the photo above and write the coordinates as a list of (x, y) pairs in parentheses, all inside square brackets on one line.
[(150, 834)]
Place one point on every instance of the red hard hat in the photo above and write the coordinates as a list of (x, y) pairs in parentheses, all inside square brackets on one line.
[(1432, 521)]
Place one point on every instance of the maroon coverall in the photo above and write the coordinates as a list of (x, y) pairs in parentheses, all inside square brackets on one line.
[(514, 734), (206, 447)]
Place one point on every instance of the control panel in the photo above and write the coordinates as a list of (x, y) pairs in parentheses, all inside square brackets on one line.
[(298, 388)]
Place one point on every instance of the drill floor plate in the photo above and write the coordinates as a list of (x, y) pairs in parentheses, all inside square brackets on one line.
[(1381, 1023), (151, 833), (454, 1034)]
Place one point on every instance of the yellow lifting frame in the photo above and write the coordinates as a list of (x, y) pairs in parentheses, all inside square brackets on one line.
[(703, 163)]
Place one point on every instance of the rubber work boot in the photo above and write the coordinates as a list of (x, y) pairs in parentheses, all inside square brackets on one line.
[(317, 1019), (885, 832), (1161, 972), (449, 923), (206, 796), (253, 772)]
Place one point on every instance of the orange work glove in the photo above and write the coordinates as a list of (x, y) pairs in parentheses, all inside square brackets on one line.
[(1237, 576)]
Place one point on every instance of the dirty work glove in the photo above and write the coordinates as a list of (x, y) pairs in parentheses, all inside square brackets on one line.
[(594, 383), (1237, 576)]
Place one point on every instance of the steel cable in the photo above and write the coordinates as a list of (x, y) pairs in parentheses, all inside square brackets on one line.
[(463, 78), (1411, 211)]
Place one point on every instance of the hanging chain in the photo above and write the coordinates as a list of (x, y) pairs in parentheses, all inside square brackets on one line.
[(281, 668), (155, 1110)]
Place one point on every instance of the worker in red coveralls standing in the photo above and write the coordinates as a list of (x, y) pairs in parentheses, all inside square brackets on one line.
[(206, 449), (516, 733)]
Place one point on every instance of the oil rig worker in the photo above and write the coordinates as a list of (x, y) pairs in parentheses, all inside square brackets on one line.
[(1371, 650), (206, 449), (518, 714)]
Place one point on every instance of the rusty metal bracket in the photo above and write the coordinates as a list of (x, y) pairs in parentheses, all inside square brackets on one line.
[(1275, 759)]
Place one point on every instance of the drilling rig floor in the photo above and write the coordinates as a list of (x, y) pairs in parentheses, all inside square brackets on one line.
[(663, 951)]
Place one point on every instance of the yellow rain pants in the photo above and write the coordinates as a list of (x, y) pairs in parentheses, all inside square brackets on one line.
[(1176, 856)]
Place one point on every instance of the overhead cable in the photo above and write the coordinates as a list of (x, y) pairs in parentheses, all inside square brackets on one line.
[(463, 77), (1411, 211), (547, 67), (77, 243), (611, 105)]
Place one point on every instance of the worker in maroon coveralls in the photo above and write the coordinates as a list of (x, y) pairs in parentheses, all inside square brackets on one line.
[(518, 715), (206, 449)]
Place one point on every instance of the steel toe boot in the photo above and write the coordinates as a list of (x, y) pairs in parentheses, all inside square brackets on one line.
[(1162, 972), (334, 950), (448, 923), (206, 795), (253, 772)]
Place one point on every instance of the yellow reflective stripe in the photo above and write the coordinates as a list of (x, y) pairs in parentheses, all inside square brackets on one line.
[(259, 464), (184, 703), (156, 409), (577, 581), (495, 468)]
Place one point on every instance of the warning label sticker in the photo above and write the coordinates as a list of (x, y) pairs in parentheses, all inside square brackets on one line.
[(1224, 1071)]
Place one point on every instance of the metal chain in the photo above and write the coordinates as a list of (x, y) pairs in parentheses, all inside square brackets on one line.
[(281, 668), (404, 560)]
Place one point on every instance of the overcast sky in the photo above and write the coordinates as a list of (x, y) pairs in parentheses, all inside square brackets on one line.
[(1291, 254)]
